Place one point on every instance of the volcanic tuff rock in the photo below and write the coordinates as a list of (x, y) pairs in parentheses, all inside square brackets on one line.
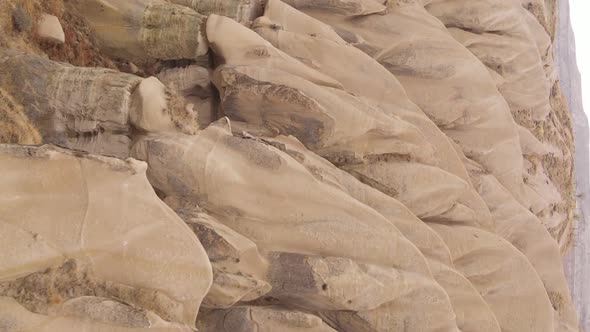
[(295, 165)]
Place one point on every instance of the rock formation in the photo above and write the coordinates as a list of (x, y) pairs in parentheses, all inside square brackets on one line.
[(283, 165)]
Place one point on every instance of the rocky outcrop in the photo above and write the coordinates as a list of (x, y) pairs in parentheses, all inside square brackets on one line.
[(143, 31), (296, 224), (261, 319), (92, 109), (74, 226), (243, 11), (295, 165)]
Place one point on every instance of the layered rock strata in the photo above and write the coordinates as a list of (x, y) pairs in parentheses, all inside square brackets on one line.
[(295, 165)]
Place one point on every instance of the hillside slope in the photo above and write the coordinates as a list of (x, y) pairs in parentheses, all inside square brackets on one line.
[(294, 165)]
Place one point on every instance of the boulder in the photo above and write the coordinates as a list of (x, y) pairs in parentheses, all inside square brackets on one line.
[(50, 30)]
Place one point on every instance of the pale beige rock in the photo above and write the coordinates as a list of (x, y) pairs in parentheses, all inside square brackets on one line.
[(543, 12), (154, 108), (361, 71), (540, 182), (192, 80), (133, 69), (141, 31), (359, 78), (252, 93), (255, 49), (193, 176), (530, 144), (279, 16), (81, 108), (473, 314), (524, 230), (334, 283), (288, 227), (515, 48), (343, 7), (102, 310), (339, 197), (13, 317), (243, 11), (440, 189), (503, 275), (380, 175), (260, 319), (416, 231), (147, 113), (360, 138), (517, 44), (91, 109), (380, 319), (462, 98), (229, 289), (103, 214), (194, 84), (45, 291), (49, 29), (239, 270)]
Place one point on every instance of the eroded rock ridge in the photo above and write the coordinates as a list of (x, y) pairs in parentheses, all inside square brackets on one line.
[(283, 165)]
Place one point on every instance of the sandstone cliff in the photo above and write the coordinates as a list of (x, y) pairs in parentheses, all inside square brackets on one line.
[(283, 165)]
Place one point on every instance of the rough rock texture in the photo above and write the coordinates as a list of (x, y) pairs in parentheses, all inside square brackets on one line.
[(144, 30), (74, 225), (285, 165), (92, 109), (244, 11), (260, 319)]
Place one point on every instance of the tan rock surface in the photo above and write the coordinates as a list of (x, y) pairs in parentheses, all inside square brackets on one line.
[(296, 224), (238, 268), (304, 165), (517, 45), (16, 318), (50, 29), (91, 109), (194, 84), (74, 226), (473, 314), (244, 11), (261, 319), (145, 30)]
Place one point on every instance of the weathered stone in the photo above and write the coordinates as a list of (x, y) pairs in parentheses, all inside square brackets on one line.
[(84, 225), (91, 109), (13, 317), (194, 84), (141, 31), (260, 319), (238, 268), (49, 29), (293, 226), (243, 11), (350, 165)]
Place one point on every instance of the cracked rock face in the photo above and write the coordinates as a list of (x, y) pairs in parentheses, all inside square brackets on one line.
[(81, 232), (284, 165)]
